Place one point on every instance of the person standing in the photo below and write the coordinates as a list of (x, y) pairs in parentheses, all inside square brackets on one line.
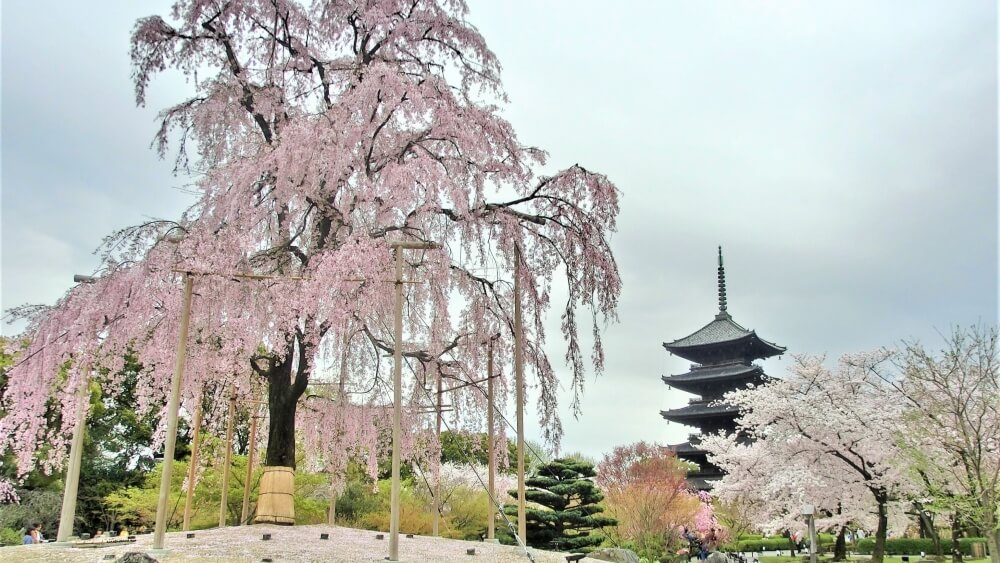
[(712, 540)]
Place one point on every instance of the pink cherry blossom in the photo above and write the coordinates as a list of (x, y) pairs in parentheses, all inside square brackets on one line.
[(319, 135)]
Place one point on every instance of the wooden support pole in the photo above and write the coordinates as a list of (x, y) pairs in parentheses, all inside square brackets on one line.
[(172, 406), (340, 402), (519, 384), (397, 400), (251, 450), (192, 466), (397, 393), (227, 466), (437, 464), (67, 517), (332, 514), (492, 511)]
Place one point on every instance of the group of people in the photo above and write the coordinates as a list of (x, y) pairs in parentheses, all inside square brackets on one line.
[(700, 545), (33, 534)]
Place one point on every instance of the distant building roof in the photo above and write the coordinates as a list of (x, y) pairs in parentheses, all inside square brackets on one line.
[(722, 331), (686, 448), (703, 345), (701, 484), (712, 373), (699, 410)]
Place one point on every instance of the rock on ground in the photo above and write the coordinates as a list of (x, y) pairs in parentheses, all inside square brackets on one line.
[(614, 554)]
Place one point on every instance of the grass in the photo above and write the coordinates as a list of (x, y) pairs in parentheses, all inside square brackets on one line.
[(885, 559)]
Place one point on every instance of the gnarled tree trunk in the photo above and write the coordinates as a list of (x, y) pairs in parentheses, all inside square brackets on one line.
[(282, 399), (287, 380)]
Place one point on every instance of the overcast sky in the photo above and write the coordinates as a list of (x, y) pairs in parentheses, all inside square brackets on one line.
[(844, 154)]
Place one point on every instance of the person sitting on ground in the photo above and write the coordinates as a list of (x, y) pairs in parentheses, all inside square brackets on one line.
[(29, 536), (99, 533), (36, 533)]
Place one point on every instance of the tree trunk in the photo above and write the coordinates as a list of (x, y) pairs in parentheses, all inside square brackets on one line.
[(927, 529), (791, 542), (283, 394), (993, 543), (883, 526), (956, 533), (840, 548), (935, 537), (282, 399)]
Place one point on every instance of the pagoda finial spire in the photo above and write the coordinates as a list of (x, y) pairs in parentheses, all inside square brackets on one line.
[(722, 287)]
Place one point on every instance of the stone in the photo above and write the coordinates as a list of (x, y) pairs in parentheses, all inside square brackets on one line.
[(717, 557), (615, 555), (136, 557)]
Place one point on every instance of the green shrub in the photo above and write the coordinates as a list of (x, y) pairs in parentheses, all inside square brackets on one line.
[(10, 536), (355, 502), (913, 546), (764, 544)]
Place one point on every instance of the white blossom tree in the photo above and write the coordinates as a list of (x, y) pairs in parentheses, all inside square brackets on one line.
[(822, 437), (952, 421)]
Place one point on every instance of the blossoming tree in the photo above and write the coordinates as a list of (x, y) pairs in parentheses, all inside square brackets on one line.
[(645, 489), (952, 436), (320, 135), (822, 437)]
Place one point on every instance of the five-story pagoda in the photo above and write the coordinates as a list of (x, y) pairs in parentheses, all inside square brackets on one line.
[(723, 353)]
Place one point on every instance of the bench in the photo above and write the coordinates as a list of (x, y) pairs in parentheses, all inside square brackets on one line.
[(575, 557)]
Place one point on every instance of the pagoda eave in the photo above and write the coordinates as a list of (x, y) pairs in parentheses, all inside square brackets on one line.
[(749, 345), (698, 412)]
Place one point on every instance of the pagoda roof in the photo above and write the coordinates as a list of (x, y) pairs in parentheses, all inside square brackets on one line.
[(711, 373), (699, 410), (701, 484), (721, 331), (686, 448)]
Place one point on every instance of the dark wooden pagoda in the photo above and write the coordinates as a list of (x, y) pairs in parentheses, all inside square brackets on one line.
[(723, 353)]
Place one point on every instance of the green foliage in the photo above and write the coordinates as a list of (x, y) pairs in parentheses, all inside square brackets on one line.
[(39, 505), (465, 513), (913, 546), (761, 544), (758, 543), (10, 536), (414, 518), (651, 547), (116, 455), (312, 497), (355, 502), (568, 510)]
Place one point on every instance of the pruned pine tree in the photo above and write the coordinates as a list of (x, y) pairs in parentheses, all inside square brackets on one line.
[(567, 508)]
